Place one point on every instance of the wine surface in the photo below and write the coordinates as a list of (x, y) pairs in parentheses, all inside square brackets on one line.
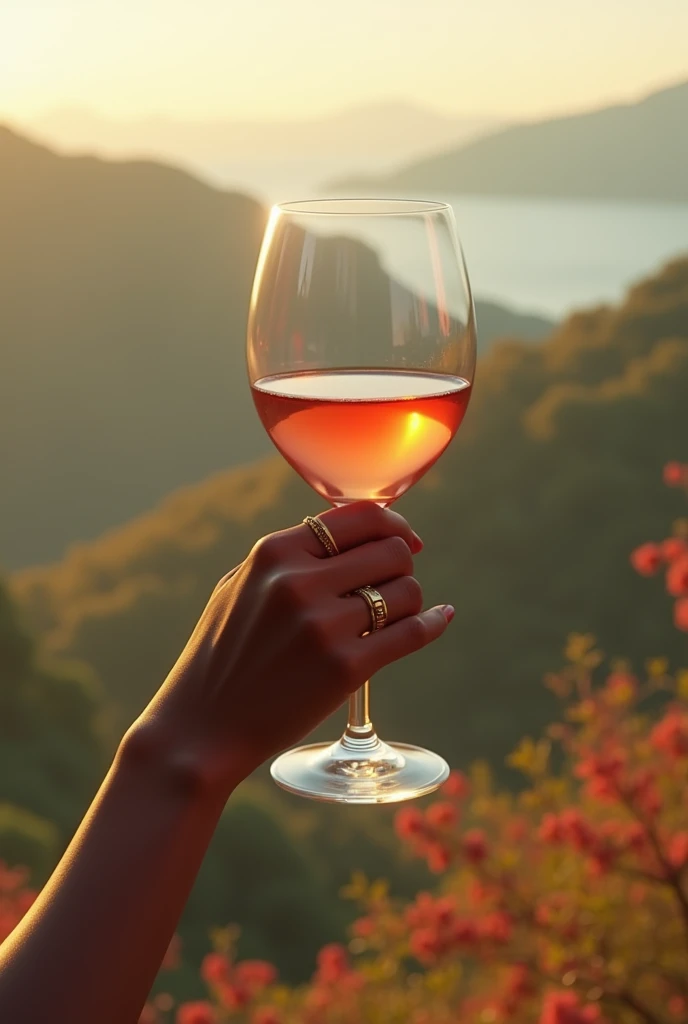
[(361, 434)]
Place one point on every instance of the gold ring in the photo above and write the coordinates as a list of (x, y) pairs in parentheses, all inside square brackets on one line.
[(323, 534), (376, 603)]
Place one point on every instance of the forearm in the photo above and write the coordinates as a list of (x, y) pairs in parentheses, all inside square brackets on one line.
[(92, 944)]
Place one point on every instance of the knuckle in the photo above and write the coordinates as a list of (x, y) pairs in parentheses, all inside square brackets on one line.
[(412, 592), (378, 514), (268, 551), (288, 587), (399, 554)]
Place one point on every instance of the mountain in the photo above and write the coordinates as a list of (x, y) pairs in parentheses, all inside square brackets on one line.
[(528, 521), (284, 158), (124, 289), (636, 151), (123, 297)]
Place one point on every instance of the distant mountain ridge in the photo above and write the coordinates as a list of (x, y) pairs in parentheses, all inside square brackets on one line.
[(636, 151), (286, 157), (124, 290)]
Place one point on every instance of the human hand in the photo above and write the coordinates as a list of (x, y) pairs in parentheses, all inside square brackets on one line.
[(281, 642)]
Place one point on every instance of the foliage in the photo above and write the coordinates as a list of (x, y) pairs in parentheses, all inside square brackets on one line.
[(564, 904), (28, 840), (51, 747)]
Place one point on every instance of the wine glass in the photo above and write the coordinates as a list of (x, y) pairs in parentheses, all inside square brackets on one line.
[(361, 354)]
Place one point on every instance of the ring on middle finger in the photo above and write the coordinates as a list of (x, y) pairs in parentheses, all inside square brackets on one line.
[(376, 605)]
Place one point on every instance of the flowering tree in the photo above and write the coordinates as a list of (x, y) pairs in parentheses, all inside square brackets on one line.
[(563, 903), (671, 555)]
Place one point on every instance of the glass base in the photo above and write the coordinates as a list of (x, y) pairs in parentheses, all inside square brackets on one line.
[(360, 771)]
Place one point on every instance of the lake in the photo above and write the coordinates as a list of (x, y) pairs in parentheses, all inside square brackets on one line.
[(552, 256)]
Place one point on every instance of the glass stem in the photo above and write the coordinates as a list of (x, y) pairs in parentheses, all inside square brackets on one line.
[(359, 730)]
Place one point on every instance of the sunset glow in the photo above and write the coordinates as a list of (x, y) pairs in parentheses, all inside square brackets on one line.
[(302, 58)]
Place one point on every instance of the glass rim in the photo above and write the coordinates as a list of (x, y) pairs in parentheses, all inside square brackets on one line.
[(362, 207)]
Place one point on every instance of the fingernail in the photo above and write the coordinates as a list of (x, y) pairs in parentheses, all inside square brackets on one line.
[(419, 542), (449, 611)]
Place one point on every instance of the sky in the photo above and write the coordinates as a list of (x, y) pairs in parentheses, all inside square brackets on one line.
[(275, 59)]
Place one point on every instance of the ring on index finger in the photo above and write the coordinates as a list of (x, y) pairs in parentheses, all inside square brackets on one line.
[(323, 534)]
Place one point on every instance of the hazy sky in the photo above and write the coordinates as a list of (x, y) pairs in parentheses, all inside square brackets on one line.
[(296, 58)]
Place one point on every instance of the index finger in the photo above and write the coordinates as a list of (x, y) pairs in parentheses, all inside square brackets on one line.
[(356, 524)]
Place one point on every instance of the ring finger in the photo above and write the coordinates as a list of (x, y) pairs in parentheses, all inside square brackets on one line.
[(403, 597)]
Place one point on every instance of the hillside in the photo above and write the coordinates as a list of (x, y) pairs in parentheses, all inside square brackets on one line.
[(123, 297), (528, 521), (122, 313), (637, 151)]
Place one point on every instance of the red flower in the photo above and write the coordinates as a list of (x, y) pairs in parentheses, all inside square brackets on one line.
[(255, 975), (427, 911), (496, 927), (474, 845), (363, 927), (266, 1015), (551, 830), (565, 1008), (465, 933), (438, 857), (457, 786), (421, 912), (635, 837), (479, 893), (646, 559), (442, 815), (681, 614), (675, 474), (232, 996), (516, 829), (576, 829), (678, 1006), (333, 963), (216, 969), (519, 982), (678, 850), (409, 823), (444, 911), (620, 688), (603, 774), (425, 945), (677, 577), (196, 1013), (645, 792), (670, 735), (673, 548)]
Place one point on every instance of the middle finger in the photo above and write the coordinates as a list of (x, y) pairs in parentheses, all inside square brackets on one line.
[(369, 564), (402, 596)]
